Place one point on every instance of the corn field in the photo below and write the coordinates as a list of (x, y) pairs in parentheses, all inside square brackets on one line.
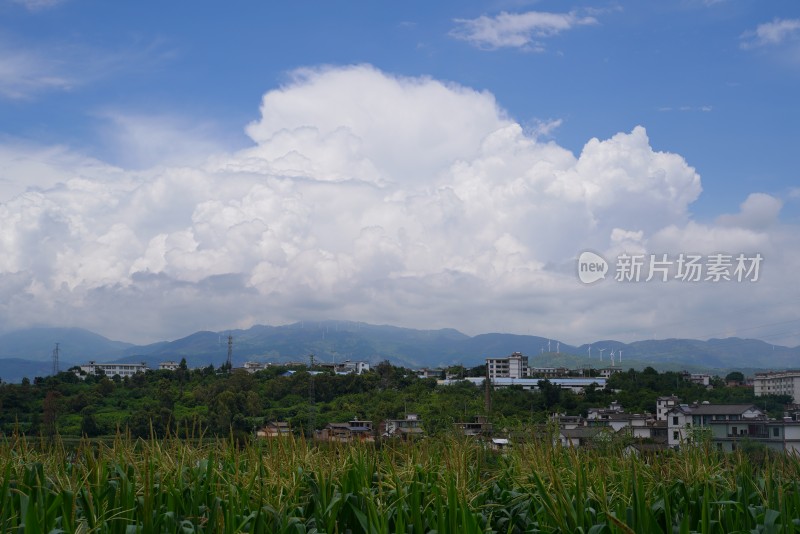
[(443, 485)]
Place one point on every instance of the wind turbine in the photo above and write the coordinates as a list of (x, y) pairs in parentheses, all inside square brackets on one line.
[(590, 352), (601, 354), (620, 356), (558, 347), (612, 358), (548, 346)]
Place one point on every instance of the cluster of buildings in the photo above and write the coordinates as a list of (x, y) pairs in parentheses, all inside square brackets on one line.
[(514, 370), (676, 424), (357, 430), (130, 369)]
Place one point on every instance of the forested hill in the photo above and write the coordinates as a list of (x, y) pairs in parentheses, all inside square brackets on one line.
[(339, 340)]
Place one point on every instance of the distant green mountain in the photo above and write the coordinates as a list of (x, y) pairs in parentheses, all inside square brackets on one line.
[(328, 340), (340, 340), (75, 344), (13, 370)]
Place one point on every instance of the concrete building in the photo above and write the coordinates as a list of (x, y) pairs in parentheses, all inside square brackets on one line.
[(782, 435), (683, 420), (639, 426), (254, 367), (576, 385), (275, 429), (354, 368), (665, 404), (111, 369), (408, 428), (514, 366), (346, 367), (698, 378), (548, 372), (567, 422), (168, 366), (430, 373), (586, 436), (479, 426), (356, 430), (597, 414), (778, 383), (608, 371)]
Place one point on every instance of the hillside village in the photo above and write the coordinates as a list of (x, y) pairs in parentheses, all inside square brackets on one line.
[(673, 425), (501, 402)]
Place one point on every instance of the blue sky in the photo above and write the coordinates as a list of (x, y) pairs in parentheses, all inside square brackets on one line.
[(655, 64), (142, 93)]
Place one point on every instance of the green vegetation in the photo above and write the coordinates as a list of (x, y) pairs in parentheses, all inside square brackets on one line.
[(441, 485), (198, 470), (184, 401)]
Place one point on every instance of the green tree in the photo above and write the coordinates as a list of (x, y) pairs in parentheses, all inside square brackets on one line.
[(89, 426), (734, 376)]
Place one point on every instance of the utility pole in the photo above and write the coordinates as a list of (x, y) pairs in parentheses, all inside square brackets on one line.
[(487, 401), (312, 419), (55, 360), (229, 363)]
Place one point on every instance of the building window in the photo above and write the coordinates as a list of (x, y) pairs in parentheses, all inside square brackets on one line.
[(775, 432), (675, 420), (675, 435)]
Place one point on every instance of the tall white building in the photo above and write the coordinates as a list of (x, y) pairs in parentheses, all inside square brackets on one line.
[(665, 404), (778, 383), (111, 369), (514, 366)]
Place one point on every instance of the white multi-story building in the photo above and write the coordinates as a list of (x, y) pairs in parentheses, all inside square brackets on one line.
[(665, 404), (514, 366), (168, 366), (254, 367), (778, 383), (111, 369), (608, 371), (699, 378), (683, 419), (356, 367), (781, 435)]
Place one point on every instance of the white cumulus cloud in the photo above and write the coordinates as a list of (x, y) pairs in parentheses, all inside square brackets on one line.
[(771, 33), (363, 196)]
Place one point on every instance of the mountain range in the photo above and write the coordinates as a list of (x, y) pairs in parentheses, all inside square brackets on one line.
[(29, 352)]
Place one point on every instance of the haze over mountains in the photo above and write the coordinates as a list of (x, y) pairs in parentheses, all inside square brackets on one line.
[(29, 352)]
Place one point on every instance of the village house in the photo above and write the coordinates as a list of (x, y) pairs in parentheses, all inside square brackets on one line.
[(356, 430), (587, 436), (408, 428), (478, 427), (684, 420), (275, 429)]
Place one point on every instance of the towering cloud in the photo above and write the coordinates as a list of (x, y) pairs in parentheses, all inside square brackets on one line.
[(363, 196)]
